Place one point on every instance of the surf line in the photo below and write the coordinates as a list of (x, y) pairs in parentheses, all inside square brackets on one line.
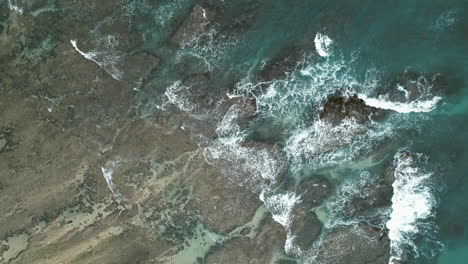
[(92, 57)]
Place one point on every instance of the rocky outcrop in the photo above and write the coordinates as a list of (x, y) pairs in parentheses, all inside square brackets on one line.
[(338, 107), (358, 244), (313, 191), (281, 65), (375, 194), (304, 227), (262, 249)]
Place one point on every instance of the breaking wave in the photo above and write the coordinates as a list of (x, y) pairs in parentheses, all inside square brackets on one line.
[(413, 106), (413, 204), (294, 102), (280, 205), (323, 44)]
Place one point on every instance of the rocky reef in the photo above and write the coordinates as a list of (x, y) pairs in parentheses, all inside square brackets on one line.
[(339, 107), (357, 244)]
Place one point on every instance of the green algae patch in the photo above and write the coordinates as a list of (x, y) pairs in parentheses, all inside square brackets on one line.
[(13, 246)]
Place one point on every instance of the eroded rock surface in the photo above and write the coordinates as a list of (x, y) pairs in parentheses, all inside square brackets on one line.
[(358, 244)]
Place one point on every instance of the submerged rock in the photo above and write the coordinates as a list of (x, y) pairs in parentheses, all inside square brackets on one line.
[(195, 24), (376, 194), (304, 227), (138, 67), (411, 85), (8, 140), (339, 107), (3, 144), (358, 244), (313, 191), (240, 15), (281, 65)]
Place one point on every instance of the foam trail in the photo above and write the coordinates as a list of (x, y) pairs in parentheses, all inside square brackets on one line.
[(411, 107), (413, 202), (116, 74), (280, 206), (322, 45), (108, 174), (176, 96), (402, 89), (15, 8)]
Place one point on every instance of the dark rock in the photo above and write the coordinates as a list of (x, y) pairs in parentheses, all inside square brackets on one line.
[(70, 114), (355, 244), (240, 15), (376, 195), (3, 144), (411, 85), (339, 107), (313, 191), (305, 227), (8, 139)]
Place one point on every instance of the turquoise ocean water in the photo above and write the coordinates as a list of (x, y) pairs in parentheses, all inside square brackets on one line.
[(370, 41)]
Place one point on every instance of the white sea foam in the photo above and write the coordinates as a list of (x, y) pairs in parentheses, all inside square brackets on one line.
[(323, 144), (209, 47), (166, 11), (349, 189), (280, 205), (108, 172), (15, 8), (323, 44), (105, 56), (446, 20), (254, 167), (402, 89), (178, 95), (413, 203), (310, 84), (410, 107)]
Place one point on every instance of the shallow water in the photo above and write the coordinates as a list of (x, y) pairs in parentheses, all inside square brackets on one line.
[(409, 58), (365, 43)]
